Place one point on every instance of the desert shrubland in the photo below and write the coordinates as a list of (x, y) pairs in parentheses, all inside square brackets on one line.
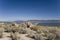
[(33, 32), (50, 33)]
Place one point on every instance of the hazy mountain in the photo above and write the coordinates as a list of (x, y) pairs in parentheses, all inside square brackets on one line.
[(19, 21), (33, 21), (6, 22), (44, 21)]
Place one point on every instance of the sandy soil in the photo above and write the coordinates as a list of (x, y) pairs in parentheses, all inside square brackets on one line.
[(22, 37)]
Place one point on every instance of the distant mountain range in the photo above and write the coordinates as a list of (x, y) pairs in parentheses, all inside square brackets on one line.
[(19, 21), (33, 21), (44, 21), (37, 22)]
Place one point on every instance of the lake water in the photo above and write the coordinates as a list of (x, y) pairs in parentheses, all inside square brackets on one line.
[(49, 24)]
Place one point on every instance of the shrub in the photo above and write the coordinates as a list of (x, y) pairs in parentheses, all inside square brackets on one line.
[(14, 36), (22, 30), (1, 32), (39, 37)]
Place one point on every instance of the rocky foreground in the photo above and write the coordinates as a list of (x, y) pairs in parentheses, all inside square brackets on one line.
[(28, 31)]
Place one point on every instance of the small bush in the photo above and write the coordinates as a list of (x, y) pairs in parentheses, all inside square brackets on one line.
[(22, 30), (39, 37), (1, 32), (14, 36)]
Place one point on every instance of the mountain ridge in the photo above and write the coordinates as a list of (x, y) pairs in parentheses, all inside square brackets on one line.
[(33, 21)]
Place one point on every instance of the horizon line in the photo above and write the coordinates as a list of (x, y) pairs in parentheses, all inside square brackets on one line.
[(25, 20)]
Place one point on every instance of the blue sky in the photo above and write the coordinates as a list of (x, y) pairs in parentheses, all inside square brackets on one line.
[(29, 9)]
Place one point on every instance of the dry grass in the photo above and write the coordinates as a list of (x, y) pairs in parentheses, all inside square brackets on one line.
[(35, 32), (52, 33)]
